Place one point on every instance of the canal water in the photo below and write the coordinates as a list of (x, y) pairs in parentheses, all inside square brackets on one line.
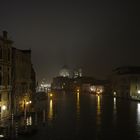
[(83, 116)]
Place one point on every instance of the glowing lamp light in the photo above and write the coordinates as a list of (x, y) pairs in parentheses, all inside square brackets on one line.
[(30, 102), (1, 136), (114, 93), (27, 103), (4, 107), (51, 94), (93, 89), (78, 90)]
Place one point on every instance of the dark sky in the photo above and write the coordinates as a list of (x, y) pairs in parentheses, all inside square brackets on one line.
[(96, 36)]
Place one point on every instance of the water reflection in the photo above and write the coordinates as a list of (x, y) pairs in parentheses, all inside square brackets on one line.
[(16, 129), (78, 106), (114, 111), (138, 113), (44, 116), (98, 112), (50, 114), (94, 123), (98, 105), (29, 121), (114, 105)]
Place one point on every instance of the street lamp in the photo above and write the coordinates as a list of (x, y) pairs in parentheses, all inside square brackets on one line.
[(25, 108), (4, 107), (25, 105), (114, 93)]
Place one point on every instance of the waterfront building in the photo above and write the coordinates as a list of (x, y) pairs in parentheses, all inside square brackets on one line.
[(62, 83), (23, 80), (5, 75), (125, 82)]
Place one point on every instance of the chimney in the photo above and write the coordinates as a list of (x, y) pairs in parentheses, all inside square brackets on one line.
[(5, 34)]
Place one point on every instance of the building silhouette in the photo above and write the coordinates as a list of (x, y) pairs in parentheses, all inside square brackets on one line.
[(5, 75), (17, 79), (125, 82)]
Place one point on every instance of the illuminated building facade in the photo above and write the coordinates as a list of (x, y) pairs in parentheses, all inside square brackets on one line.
[(5, 75), (97, 89), (126, 82)]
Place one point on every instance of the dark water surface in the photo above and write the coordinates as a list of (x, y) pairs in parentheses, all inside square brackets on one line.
[(72, 116)]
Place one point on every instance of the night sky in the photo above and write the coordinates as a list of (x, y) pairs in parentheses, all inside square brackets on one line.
[(95, 36)]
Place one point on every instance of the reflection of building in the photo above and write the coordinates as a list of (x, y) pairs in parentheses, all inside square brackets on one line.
[(126, 82), (5, 75), (23, 78)]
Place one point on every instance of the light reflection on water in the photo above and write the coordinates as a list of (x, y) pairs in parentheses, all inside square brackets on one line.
[(98, 105), (138, 113), (50, 113), (94, 121), (138, 118), (29, 121), (78, 106), (114, 111), (114, 105), (98, 121)]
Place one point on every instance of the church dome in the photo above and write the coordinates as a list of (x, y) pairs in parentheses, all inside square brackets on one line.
[(64, 72)]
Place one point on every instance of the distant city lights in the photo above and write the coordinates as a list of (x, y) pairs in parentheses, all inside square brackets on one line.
[(97, 89)]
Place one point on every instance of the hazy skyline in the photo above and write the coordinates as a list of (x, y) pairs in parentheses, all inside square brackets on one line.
[(97, 36)]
